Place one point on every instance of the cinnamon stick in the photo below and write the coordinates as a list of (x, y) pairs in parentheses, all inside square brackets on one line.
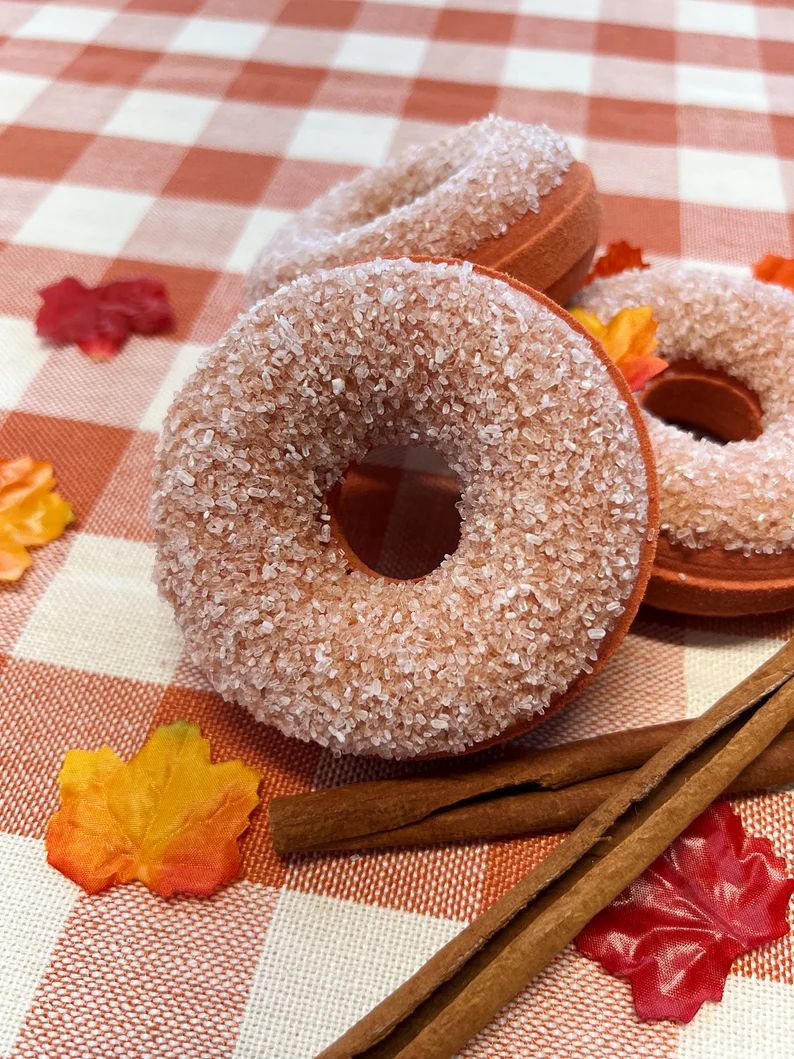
[(499, 798), (457, 992)]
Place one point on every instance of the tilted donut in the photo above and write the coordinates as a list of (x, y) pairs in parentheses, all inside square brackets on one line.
[(727, 510), (497, 192), (557, 510)]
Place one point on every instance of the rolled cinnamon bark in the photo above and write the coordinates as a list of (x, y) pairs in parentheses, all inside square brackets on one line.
[(459, 990), (535, 790), (532, 812)]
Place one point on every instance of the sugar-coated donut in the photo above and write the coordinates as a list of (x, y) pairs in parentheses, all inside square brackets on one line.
[(727, 510), (501, 193), (557, 510)]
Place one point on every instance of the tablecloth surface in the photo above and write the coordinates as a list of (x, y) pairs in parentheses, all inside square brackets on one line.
[(171, 137)]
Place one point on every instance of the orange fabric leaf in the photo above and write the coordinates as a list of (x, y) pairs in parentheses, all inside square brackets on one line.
[(618, 257), (31, 514), (775, 269), (168, 817), (630, 341)]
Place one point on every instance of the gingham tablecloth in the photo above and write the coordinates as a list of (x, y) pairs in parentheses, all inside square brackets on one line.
[(170, 137)]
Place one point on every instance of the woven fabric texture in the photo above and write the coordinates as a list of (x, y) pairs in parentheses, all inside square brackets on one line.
[(171, 137)]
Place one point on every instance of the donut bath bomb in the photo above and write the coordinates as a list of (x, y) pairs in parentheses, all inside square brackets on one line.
[(726, 492), (558, 512), (499, 193)]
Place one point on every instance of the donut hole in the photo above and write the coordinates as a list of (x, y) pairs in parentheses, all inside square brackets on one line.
[(395, 512), (708, 403)]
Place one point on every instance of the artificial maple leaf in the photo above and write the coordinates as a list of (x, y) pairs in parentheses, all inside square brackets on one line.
[(630, 340), (674, 932), (31, 514), (99, 319), (774, 269), (168, 817), (618, 257)]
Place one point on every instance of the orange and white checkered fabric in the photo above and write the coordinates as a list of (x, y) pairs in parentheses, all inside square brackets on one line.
[(170, 137)]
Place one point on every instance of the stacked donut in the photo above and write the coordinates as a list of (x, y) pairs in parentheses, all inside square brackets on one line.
[(727, 498), (378, 319)]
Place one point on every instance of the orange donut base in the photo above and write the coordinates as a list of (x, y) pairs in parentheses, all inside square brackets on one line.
[(368, 481), (713, 581), (550, 250)]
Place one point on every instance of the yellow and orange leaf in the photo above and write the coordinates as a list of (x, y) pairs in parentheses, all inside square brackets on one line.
[(168, 817), (775, 269), (31, 514), (618, 257), (630, 341)]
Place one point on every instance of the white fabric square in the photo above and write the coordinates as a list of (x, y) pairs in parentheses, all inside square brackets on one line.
[(715, 86), (325, 963), (17, 92), (101, 612), (381, 54), (163, 117), (549, 70), (260, 226), (65, 22), (712, 16), (218, 36), (185, 362), (730, 178), (331, 136), (35, 902), (715, 662), (22, 354), (754, 1019), (87, 220)]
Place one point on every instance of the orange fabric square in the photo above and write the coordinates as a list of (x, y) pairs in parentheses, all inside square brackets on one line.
[(159, 7), (115, 66), (478, 27), (450, 101), (782, 134), (330, 14), (84, 454), (777, 56), (654, 224), (222, 175), (635, 42), (39, 154), (638, 121), (276, 84), (287, 765)]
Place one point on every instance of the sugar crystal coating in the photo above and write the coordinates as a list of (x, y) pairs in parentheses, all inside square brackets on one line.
[(441, 200), (554, 508), (739, 496)]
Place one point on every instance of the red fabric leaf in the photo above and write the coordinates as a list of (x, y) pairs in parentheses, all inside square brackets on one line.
[(99, 319), (617, 258), (674, 932), (143, 301)]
